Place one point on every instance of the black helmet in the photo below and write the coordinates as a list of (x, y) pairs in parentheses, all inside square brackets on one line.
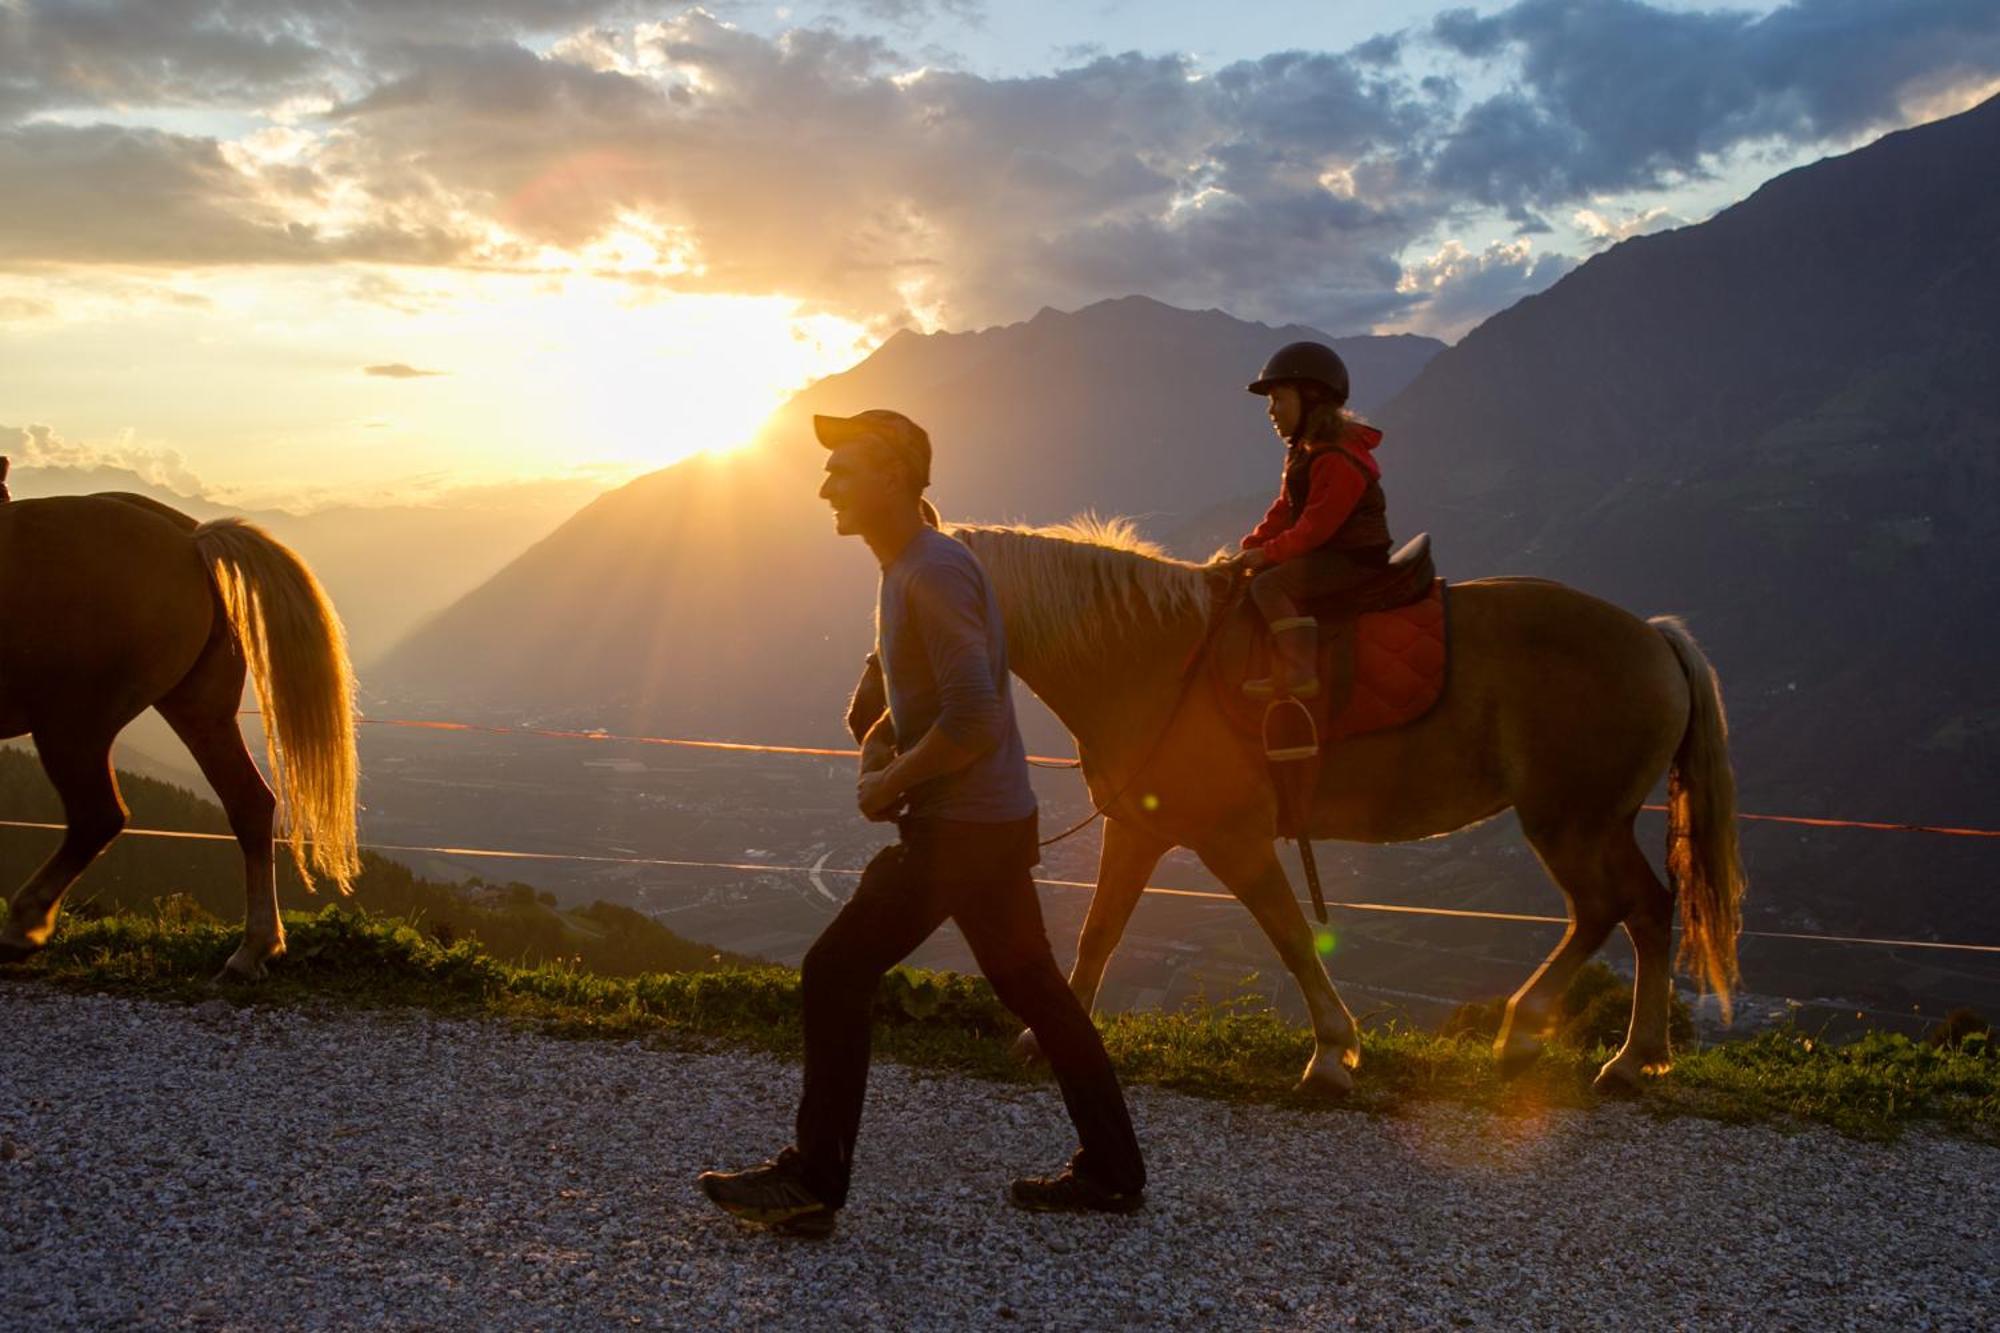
[(1304, 361)]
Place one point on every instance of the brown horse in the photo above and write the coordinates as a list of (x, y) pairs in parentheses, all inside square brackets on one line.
[(113, 604), (1563, 707)]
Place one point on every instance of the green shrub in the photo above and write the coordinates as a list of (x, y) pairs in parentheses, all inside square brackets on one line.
[(1594, 1011)]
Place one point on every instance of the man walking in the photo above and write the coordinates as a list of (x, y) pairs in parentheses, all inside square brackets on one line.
[(958, 790)]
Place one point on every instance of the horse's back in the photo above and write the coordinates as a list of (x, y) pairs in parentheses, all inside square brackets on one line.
[(104, 606)]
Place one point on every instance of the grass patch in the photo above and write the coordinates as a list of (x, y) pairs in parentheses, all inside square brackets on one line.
[(1872, 1086)]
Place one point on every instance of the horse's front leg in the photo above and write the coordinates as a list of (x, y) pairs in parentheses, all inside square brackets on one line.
[(1247, 863), (1124, 865)]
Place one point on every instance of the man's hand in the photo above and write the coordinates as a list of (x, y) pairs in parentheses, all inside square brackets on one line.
[(877, 795), (878, 748)]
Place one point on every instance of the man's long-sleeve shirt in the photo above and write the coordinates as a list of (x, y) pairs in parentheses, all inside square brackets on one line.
[(943, 650)]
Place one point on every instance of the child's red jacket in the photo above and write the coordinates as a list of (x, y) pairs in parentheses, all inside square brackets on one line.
[(1334, 485)]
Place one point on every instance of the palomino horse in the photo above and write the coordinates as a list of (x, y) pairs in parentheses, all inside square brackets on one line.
[(1559, 705), (112, 604)]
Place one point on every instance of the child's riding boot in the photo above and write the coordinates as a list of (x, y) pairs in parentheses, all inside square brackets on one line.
[(1294, 661)]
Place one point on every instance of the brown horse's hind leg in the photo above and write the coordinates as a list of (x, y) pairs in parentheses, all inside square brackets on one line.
[(1126, 861), (1650, 925), (202, 712), (1250, 869), (94, 814), (1585, 866)]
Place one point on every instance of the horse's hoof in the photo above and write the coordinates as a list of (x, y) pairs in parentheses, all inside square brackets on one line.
[(1515, 1060), (13, 951), (1027, 1049), (1626, 1075), (1616, 1080), (237, 972), (1326, 1080)]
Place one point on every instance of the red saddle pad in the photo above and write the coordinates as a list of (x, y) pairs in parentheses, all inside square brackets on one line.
[(1399, 660)]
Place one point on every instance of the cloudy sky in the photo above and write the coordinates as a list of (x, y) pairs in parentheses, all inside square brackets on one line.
[(293, 251)]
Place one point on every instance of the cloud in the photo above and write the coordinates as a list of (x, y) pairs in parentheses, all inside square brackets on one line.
[(813, 165), (396, 370), (1456, 288), (821, 163), (38, 446), (116, 194), (1617, 94), (22, 308), (155, 53), (1605, 230)]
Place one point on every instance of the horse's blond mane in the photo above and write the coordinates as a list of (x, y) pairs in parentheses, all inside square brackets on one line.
[(1070, 590)]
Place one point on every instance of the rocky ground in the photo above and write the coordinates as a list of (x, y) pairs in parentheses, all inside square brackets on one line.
[(220, 1167)]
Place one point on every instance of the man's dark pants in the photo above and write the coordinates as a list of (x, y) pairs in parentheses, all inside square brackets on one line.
[(980, 876)]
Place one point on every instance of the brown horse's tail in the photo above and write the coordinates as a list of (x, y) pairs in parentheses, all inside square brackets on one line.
[(1702, 857), (297, 653)]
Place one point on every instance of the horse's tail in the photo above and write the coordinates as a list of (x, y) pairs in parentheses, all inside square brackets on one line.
[(296, 649), (1702, 857)]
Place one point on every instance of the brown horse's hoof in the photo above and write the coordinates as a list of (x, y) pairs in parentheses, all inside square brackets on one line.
[(1616, 1080), (1028, 1049), (1516, 1060), (1625, 1076), (13, 951), (241, 972), (1326, 1080)]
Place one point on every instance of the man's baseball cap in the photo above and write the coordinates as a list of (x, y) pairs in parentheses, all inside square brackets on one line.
[(892, 428)]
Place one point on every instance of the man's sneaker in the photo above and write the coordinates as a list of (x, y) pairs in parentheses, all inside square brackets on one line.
[(1071, 1193), (771, 1195)]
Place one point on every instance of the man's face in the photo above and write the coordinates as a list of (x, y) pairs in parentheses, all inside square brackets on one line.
[(863, 485)]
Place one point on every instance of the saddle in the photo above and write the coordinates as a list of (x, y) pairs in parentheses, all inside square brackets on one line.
[(1382, 652)]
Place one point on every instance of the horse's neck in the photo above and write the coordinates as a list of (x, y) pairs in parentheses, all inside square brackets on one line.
[(1116, 701)]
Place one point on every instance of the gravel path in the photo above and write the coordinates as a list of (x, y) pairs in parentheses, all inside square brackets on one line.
[(209, 1167)]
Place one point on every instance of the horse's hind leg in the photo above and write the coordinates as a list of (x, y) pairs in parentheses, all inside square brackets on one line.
[(1250, 868), (94, 815), (1584, 863), (1650, 925), (202, 711)]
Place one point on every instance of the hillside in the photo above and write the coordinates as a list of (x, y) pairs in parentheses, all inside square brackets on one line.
[(511, 921), (388, 566)]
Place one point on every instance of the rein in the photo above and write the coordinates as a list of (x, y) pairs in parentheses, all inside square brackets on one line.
[(1218, 615)]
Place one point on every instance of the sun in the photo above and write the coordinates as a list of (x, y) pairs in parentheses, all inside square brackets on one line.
[(648, 379)]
